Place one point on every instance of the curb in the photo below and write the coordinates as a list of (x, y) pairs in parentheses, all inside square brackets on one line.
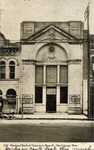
[(80, 119)]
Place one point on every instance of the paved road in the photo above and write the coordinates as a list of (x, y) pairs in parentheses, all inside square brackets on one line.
[(46, 131)]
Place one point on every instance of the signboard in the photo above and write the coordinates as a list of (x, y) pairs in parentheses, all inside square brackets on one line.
[(27, 104), (27, 99), (75, 30), (51, 91), (74, 99), (28, 29)]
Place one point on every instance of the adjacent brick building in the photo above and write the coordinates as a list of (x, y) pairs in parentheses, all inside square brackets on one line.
[(92, 76)]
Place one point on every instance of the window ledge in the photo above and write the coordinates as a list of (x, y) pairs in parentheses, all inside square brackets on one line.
[(63, 104), (9, 79)]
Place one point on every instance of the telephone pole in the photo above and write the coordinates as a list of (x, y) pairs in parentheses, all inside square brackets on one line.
[(87, 14)]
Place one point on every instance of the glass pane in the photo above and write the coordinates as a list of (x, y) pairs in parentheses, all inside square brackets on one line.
[(63, 74), (51, 74), (39, 74), (12, 68), (38, 94), (63, 94), (2, 69), (12, 63), (12, 72), (12, 75), (11, 93), (2, 75), (2, 63)]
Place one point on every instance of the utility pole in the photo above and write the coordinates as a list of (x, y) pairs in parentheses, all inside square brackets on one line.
[(87, 13)]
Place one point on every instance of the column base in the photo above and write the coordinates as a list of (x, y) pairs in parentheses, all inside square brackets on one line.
[(75, 111)]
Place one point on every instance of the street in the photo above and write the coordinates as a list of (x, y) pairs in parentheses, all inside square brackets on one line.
[(51, 131)]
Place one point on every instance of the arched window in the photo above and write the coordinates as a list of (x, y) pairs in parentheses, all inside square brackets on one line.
[(12, 70), (11, 96), (11, 93), (2, 69)]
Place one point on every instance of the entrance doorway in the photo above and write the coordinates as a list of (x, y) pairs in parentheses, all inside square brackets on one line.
[(51, 100)]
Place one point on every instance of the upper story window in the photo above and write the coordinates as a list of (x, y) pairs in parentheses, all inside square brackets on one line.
[(12, 70), (2, 70), (64, 74), (51, 74), (39, 74)]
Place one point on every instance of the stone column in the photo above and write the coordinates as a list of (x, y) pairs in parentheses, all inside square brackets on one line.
[(44, 87), (75, 87), (58, 98), (17, 104), (58, 89), (44, 74), (58, 74)]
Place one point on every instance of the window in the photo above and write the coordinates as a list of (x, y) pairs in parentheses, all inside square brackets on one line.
[(64, 74), (1, 93), (63, 94), (11, 97), (38, 94), (2, 70), (39, 74), (12, 70), (51, 74)]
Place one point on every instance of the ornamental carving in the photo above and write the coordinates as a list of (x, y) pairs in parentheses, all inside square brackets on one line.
[(51, 49)]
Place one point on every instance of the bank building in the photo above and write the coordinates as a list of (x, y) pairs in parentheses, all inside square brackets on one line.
[(46, 72)]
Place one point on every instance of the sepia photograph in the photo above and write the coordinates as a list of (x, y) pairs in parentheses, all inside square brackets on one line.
[(46, 74)]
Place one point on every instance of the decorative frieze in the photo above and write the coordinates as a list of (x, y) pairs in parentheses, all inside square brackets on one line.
[(28, 62), (76, 61), (8, 51)]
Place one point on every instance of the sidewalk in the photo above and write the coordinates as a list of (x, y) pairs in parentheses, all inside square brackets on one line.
[(50, 116), (51, 119)]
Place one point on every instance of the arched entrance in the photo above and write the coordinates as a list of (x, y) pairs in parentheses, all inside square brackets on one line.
[(10, 101), (51, 77)]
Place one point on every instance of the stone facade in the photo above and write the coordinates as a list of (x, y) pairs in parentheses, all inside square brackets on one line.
[(50, 69)]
